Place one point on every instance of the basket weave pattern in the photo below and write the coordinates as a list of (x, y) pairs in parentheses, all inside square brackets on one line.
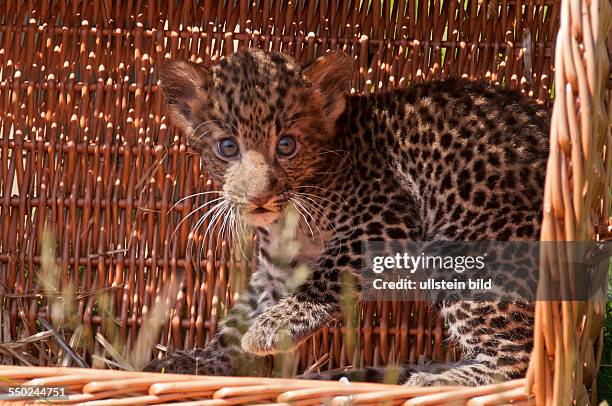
[(87, 153), (134, 388)]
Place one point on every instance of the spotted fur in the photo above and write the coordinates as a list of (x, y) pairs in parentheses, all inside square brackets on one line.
[(444, 160)]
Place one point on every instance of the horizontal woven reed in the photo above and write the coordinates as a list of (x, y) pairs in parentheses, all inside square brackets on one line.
[(87, 153), (134, 388)]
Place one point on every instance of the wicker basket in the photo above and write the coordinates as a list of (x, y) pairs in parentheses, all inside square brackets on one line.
[(132, 388), (87, 154)]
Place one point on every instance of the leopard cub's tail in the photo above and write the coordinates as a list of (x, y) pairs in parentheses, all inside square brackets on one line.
[(391, 375)]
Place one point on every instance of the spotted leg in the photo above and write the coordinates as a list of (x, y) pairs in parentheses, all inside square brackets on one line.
[(223, 355), (315, 304)]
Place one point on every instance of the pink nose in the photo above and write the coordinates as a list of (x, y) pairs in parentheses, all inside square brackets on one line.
[(259, 200)]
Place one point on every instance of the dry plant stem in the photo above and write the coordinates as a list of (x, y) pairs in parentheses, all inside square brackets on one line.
[(65, 346)]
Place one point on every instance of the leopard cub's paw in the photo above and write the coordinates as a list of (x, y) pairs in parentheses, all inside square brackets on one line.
[(194, 362), (180, 362), (267, 337), (425, 379)]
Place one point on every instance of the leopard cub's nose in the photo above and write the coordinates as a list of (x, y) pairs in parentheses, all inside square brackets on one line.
[(259, 200)]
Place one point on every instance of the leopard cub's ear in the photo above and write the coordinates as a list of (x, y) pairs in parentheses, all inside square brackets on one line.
[(330, 76), (184, 84)]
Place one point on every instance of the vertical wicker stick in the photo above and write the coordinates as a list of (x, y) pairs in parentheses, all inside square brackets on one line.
[(578, 171)]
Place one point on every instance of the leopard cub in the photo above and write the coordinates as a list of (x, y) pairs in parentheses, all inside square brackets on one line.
[(445, 160)]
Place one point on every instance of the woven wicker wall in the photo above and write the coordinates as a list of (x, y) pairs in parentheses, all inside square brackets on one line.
[(85, 150)]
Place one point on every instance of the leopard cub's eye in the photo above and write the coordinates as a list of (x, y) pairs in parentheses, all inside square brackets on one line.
[(228, 148), (286, 147)]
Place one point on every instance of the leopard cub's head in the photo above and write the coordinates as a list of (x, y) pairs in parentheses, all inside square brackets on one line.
[(260, 122)]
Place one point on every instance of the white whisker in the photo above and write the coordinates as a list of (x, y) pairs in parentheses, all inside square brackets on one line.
[(212, 225), (324, 190), (199, 224), (194, 195), (298, 201), (192, 212)]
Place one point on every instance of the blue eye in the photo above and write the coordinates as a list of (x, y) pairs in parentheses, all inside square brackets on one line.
[(228, 148), (286, 147)]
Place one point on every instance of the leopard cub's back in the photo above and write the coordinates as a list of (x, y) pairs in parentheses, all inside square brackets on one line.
[(450, 160), (471, 155)]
